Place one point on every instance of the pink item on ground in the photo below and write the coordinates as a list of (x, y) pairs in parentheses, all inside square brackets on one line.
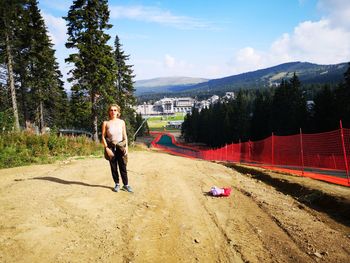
[(216, 191)]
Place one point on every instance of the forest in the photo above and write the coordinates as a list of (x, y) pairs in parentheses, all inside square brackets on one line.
[(283, 110), (32, 92)]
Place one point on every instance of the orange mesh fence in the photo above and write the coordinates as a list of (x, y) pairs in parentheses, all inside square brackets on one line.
[(324, 150), (324, 156)]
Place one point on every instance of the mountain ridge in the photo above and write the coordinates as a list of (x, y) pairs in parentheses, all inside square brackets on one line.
[(308, 73)]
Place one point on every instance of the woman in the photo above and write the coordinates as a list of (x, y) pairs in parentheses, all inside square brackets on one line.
[(115, 141)]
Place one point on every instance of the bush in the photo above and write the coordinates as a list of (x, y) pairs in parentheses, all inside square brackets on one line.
[(6, 120), (24, 148)]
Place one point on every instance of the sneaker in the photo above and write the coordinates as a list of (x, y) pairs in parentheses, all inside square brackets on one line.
[(127, 188), (116, 188)]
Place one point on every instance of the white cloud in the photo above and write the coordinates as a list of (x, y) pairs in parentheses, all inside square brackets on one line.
[(316, 42), (319, 42), (169, 61), (56, 27), (338, 12), (160, 16), (247, 59), (326, 41)]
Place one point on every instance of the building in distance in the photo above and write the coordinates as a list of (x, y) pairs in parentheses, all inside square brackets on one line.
[(167, 106)]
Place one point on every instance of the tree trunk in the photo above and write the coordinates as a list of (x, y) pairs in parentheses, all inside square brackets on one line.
[(41, 118), (23, 101), (11, 81), (94, 117)]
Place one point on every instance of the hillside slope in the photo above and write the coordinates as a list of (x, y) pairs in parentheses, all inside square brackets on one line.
[(308, 73), (158, 85)]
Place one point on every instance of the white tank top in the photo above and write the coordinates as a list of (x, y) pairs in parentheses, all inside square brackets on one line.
[(114, 131)]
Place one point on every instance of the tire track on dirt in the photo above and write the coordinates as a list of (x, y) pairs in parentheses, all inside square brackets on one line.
[(302, 226), (255, 228)]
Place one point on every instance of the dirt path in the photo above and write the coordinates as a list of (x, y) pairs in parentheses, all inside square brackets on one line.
[(67, 212)]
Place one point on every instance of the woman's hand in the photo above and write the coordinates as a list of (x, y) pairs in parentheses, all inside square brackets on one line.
[(110, 153)]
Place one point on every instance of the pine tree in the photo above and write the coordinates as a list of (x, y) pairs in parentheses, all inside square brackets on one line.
[(324, 119), (22, 60), (241, 118), (8, 11), (124, 82), (124, 86), (260, 122), (342, 97), (39, 90), (288, 108), (47, 97), (94, 73), (142, 125)]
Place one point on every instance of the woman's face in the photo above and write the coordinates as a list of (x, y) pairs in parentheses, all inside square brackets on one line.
[(113, 112)]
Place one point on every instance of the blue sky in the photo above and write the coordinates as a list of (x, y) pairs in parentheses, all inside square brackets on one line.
[(213, 39)]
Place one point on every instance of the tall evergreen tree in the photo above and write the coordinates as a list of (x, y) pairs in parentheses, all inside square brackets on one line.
[(342, 97), (260, 122), (9, 11), (141, 125), (45, 89), (241, 118), (124, 86), (35, 74), (288, 107), (21, 65), (94, 73), (124, 82), (323, 118)]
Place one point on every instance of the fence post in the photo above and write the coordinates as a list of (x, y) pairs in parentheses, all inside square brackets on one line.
[(272, 150), (240, 151), (226, 151), (302, 152), (232, 153), (249, 151), (344, 151)]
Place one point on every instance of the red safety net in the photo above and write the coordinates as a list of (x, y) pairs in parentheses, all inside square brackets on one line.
[(324, 156)]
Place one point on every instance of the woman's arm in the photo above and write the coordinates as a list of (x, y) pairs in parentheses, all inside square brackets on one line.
[(125, 137), (104, 124)]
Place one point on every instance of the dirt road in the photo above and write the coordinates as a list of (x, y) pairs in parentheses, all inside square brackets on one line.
[(67, 212)]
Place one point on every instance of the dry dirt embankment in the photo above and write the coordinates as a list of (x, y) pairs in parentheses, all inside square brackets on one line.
[(67, 212)]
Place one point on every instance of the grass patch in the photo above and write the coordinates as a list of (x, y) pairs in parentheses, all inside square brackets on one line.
[(17, 149), (158, 123)]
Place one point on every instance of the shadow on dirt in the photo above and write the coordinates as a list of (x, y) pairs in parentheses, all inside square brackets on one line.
[(61, 181), (335, 207)]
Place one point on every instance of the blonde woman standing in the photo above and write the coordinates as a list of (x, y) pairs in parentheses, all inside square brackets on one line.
[(115, 141)]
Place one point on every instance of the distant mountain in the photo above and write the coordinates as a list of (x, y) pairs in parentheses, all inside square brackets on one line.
[(169, 84), (308, 73)]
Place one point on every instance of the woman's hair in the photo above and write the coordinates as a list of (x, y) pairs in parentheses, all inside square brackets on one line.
[(114, 106)]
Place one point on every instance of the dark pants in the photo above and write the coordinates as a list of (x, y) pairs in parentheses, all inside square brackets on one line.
[(116, 162)]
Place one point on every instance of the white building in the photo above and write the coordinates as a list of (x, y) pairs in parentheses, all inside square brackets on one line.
[(146, 109), (175, 105), (214, 99), (228, 96), (183, 104), (165, 106)]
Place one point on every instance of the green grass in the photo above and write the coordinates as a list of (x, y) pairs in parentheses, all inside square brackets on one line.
[(17, 149), (176, 117), (158, 123)]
